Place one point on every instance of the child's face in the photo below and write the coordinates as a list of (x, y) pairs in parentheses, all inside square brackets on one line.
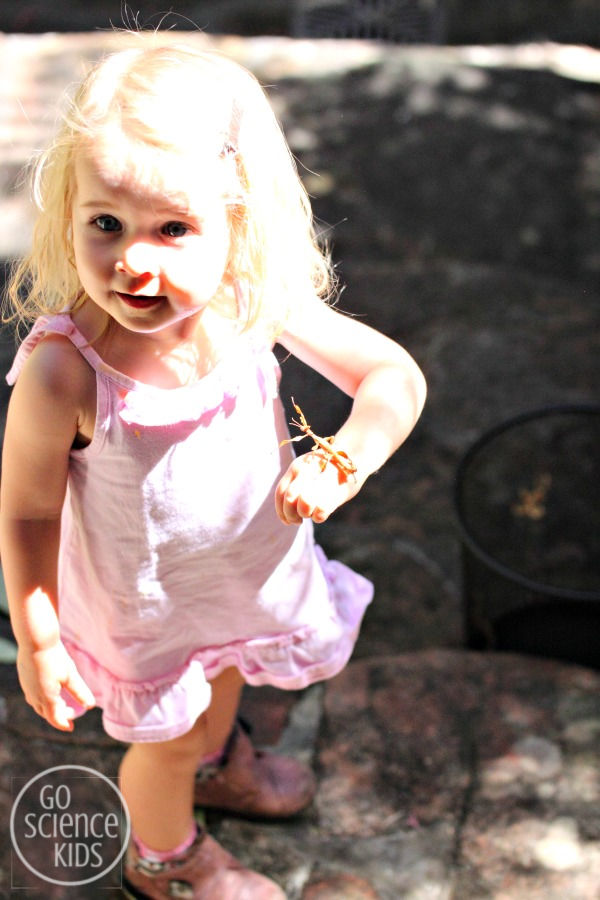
[(147, 258)]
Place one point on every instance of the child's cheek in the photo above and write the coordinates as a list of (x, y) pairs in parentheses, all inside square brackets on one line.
[(182, 277)]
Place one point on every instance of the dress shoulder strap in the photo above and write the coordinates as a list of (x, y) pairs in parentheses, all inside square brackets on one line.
[(58, 324)]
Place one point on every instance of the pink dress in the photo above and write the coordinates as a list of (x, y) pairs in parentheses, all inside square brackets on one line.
[(173, 563)]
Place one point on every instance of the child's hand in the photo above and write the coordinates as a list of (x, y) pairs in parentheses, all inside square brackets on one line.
[(43, 674), (306, 492)]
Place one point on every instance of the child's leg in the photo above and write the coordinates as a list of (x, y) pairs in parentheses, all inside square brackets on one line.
[(245, 780), (157, 778), (169, 857), (220, 716)]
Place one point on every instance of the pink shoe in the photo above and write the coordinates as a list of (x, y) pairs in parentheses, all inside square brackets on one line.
[(204, 872), (254, 783)]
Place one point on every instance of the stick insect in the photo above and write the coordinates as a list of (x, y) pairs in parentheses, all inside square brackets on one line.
[(328, 454)]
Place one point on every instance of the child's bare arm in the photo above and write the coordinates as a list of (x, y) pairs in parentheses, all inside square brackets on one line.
[(41, 425), (388, 389)]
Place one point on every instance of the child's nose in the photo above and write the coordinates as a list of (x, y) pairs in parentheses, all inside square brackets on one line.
[(138, 259)]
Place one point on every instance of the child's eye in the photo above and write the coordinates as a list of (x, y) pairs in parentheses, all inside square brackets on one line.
[(175, 229), (107, 223)]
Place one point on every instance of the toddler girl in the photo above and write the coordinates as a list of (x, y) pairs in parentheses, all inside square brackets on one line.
[(146, 489)]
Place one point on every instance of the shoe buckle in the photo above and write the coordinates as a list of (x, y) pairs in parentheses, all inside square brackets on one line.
[(149, 866), (206, 773), (181, 890)]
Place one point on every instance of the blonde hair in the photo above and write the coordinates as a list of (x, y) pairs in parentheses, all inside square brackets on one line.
[(140, 91)]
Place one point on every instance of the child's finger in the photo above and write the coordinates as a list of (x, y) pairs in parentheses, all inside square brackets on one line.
[(286, 495), (59, 715), (319, 515), (299, 507), (304, 508), (307, 491), (289, 511), (79, 690), (280, 500)]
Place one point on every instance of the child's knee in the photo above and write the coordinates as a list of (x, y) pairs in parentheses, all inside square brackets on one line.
[(178, 751)]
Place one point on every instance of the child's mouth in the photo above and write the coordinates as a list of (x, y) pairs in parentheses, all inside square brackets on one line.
[(139, 301)]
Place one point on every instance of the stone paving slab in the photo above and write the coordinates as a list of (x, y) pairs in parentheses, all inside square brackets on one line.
[(443, 775), (448, 776)]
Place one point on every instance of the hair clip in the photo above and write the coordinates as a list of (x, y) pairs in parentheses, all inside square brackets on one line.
[(229, 149)]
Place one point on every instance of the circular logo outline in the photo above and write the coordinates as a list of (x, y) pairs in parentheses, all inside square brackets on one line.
[(112, 786)]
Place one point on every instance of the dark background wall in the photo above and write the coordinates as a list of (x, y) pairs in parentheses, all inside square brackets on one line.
[(442, 21)]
